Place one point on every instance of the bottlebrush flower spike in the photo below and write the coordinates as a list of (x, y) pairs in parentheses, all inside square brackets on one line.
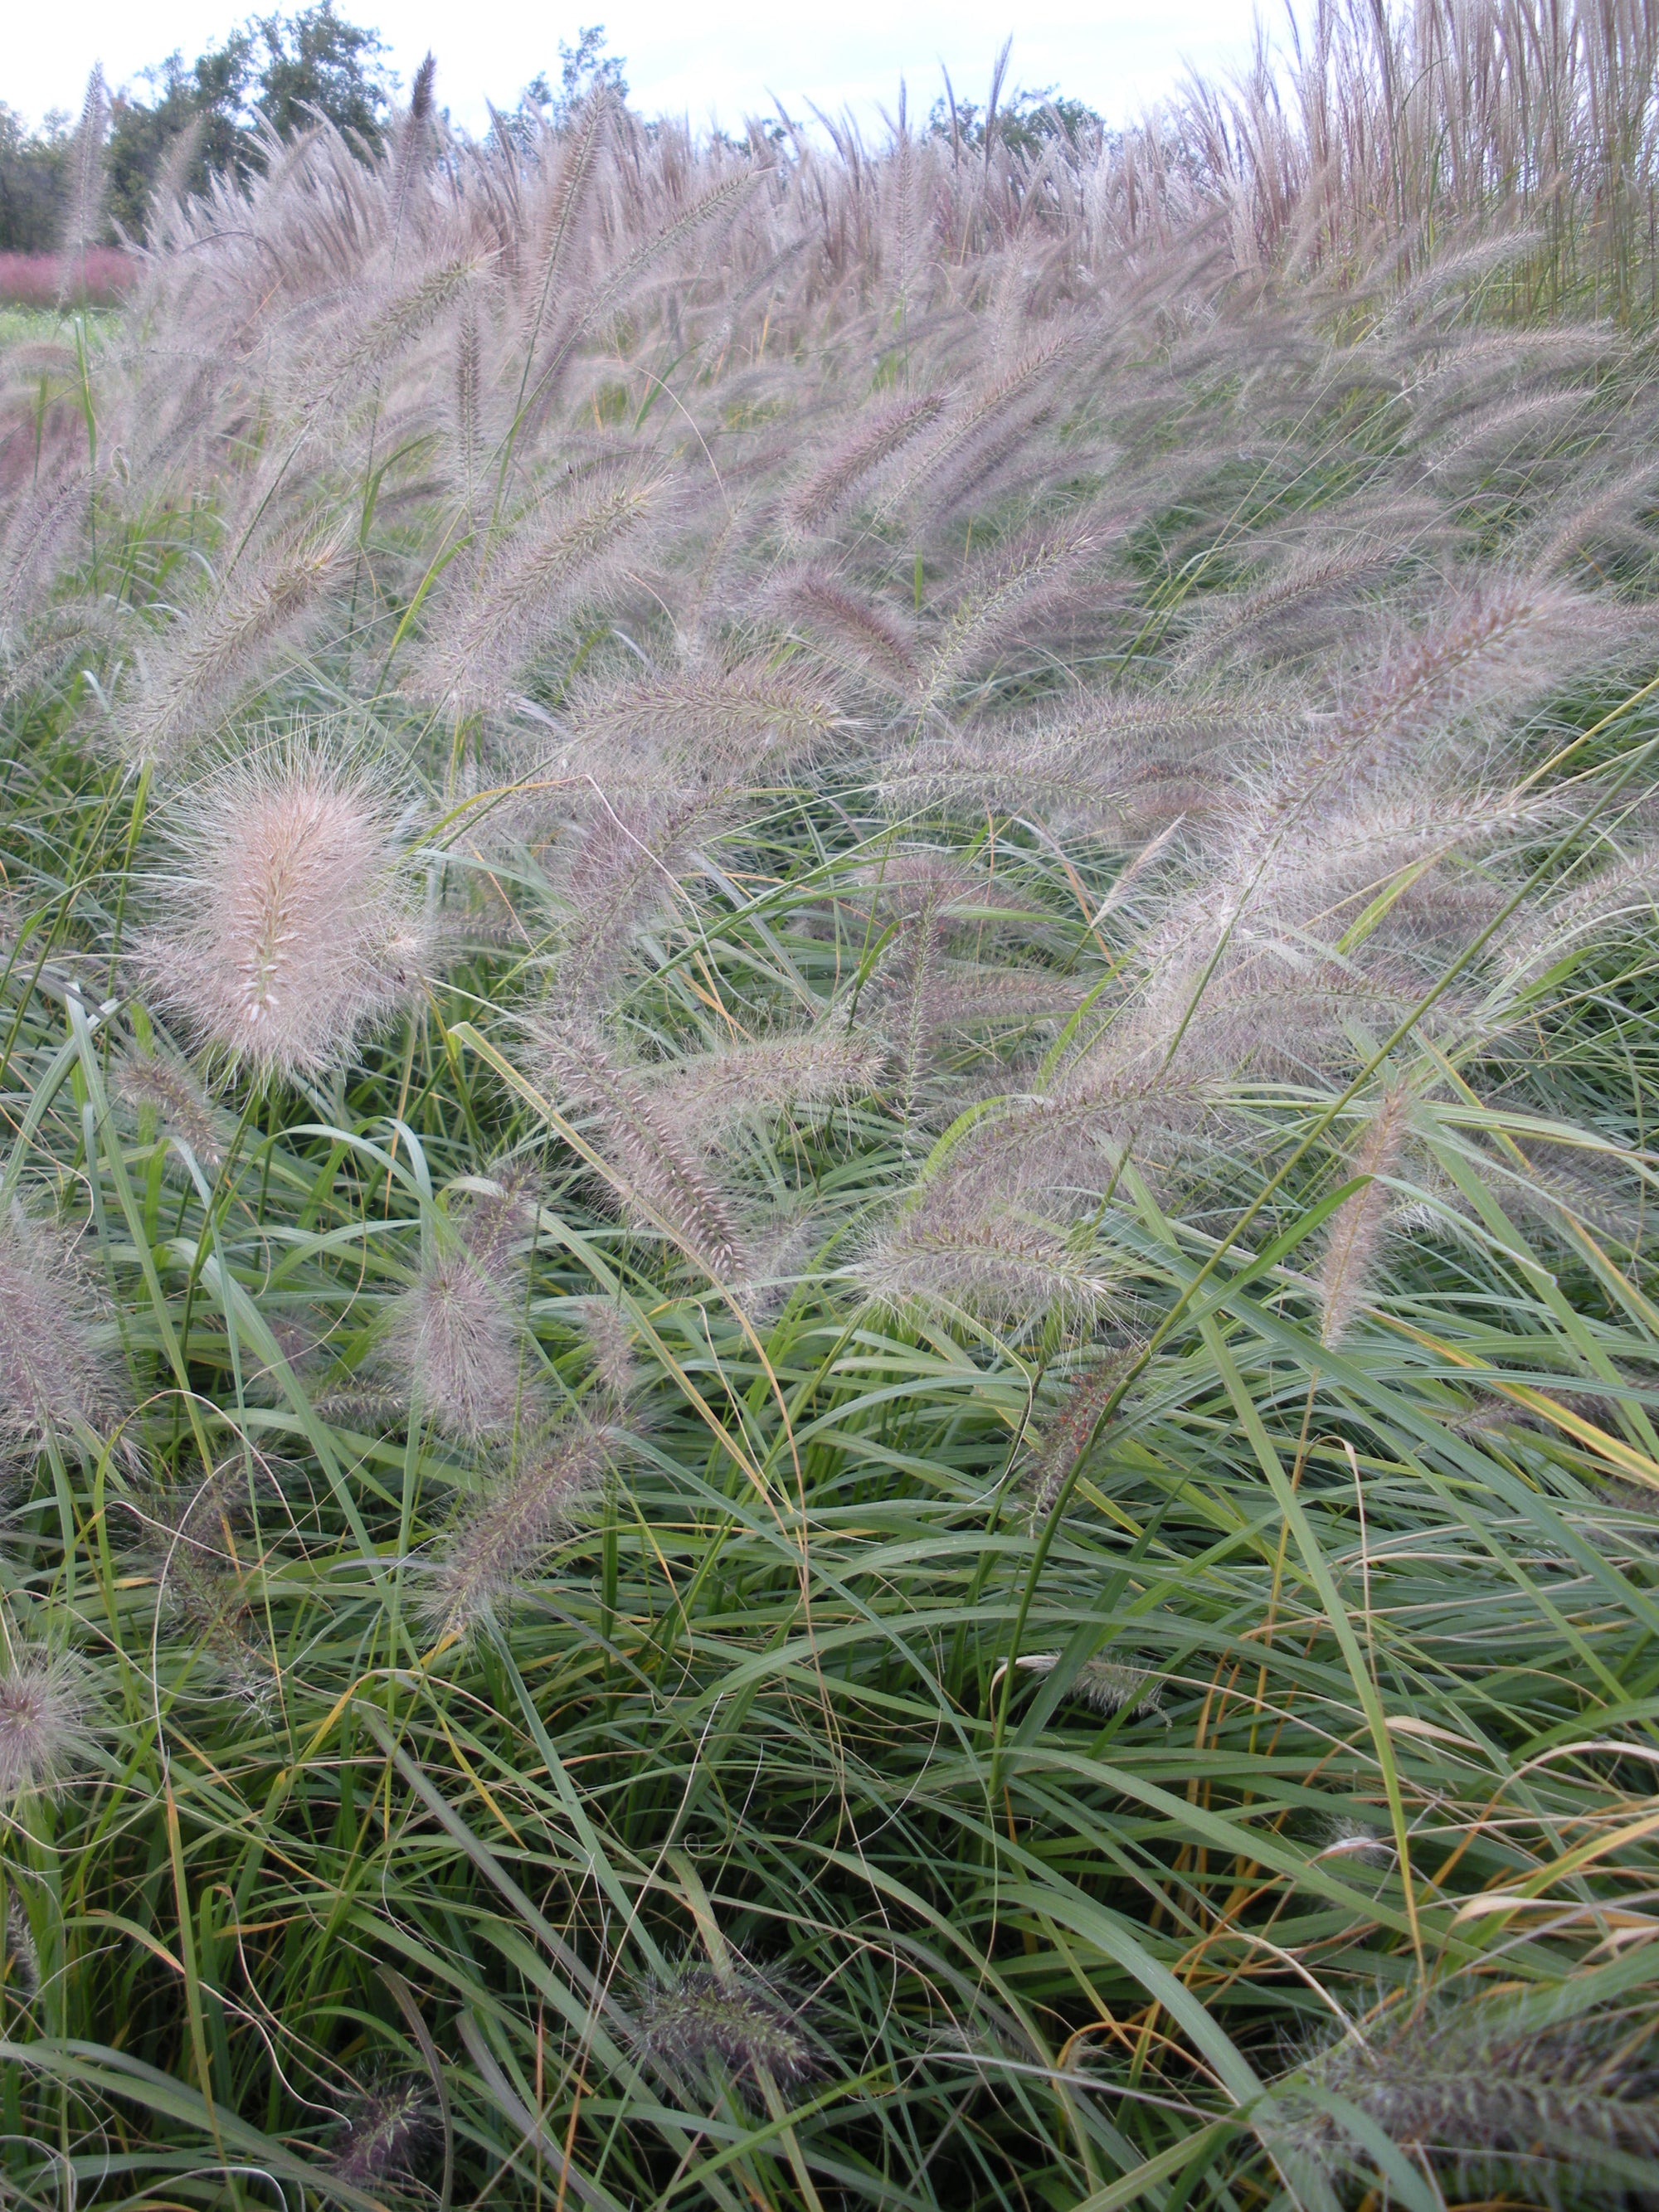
[(386, 2130), (454, 1341), (1471, 2085), (158, 1084), (491, 1550), (1106, 1684), (52, 1373), (655, 1174), (285, 933), (1357, 1226), (746, 2020), (44, 1714)]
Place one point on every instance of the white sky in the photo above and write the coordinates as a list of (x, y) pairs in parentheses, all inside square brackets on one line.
[(702, 58)]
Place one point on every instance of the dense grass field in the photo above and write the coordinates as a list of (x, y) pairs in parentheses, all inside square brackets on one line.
[(829, 1350)]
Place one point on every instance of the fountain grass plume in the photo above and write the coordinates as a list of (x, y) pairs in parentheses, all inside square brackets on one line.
[(45, 1721), (747, 2020), (1494, 2102), (283, 929), (1354, 1234), (53, 1373), (385, 2132), (496, 1546), (159, 1083), (656, 1176)]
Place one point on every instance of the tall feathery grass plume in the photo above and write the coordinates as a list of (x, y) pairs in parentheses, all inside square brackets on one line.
[(217, 648), (496, 1545), (1106, 1686), (47, 1721), (455, 1337), (1355, 1232), (284, 929), (745, 2020), (87, 184), (1062, 1437), (659, 1179), (1492, 2101), (54, 1374), (966, 1244), (160, 1086), (385, 2131)]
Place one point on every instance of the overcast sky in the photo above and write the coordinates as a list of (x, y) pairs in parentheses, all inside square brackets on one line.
[(692, 56)]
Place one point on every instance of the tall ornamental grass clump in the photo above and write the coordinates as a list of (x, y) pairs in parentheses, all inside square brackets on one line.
[(824, 1290)]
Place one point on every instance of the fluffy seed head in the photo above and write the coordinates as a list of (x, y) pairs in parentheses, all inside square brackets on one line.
[(385, 2131), (649, 1165), (51, 1372), (150, 1082), (20, 1954), (1357, 1227), (1479, 2091), (44, 1731), (284, 933), (971, 1250), (1345, 1837), (1064, 1439), (1106, 1684), (491, 1550), (454, 1342), (610, 1339), (742, 2018)]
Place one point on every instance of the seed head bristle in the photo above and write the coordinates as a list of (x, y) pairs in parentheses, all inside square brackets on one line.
[(1492, 2101), (285, 933), (492, 1550), (385, 2131), (1356, 1230), (46, 1713), (159, 1085), (52, 1374), (20, 1954), (747, 2020)]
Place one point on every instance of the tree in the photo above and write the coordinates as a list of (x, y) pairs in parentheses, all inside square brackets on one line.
[(209, 97), (1024, 123), (287, 69), (584, 70), (316, 63), (31, 170)]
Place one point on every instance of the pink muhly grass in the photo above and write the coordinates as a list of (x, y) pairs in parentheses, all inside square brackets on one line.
[(52, 1373), (44, 1713), (1356, 1230), (746, 2021), (497, 1544), (284, 933), (98, 277)]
